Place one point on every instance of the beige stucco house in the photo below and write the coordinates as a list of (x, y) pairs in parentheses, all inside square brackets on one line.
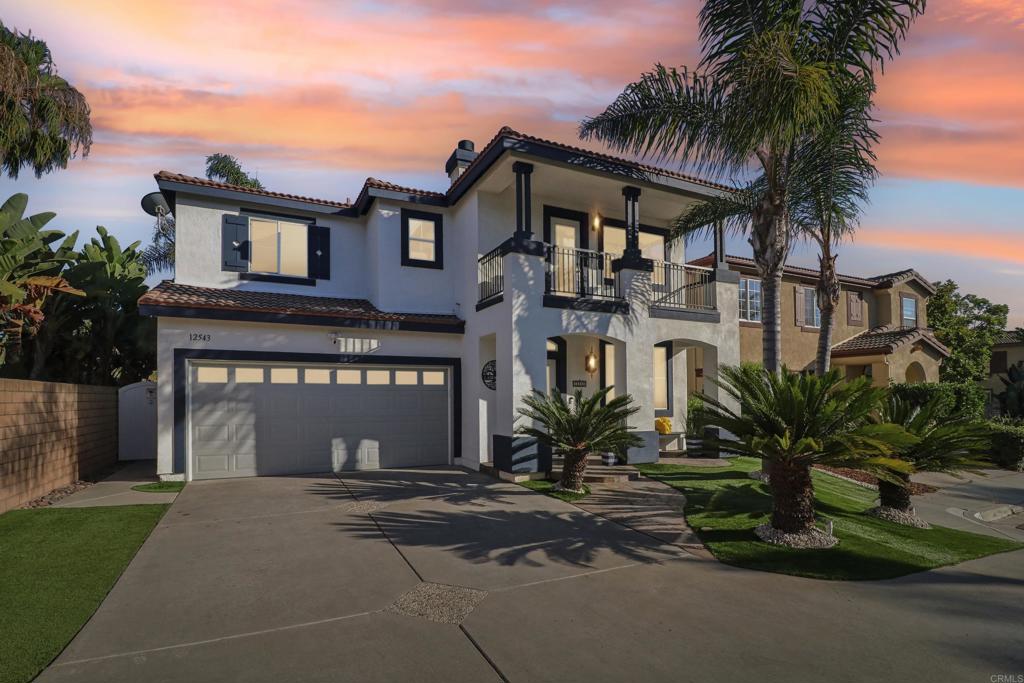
[(881, 328)]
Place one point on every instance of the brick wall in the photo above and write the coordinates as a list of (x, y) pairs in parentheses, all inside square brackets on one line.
[(52, 434)]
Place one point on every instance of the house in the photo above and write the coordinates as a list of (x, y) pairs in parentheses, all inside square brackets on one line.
[(404, 328), (1007, 352), (881, 323)]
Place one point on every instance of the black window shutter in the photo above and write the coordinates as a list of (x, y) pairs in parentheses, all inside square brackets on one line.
[(234, 243), (319, 255)]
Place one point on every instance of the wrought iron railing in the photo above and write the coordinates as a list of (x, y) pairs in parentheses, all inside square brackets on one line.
[(581, 273), (685, 287), (491, 274)]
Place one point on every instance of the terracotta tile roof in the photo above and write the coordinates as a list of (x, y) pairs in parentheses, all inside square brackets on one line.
[(174, 295), (205, 182), (797, 271), (886, 339), (507, 132), (385, 185), (890, 279), (1009, 337)]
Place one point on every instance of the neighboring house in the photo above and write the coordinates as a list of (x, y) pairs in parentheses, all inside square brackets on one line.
[(405, 327), (1006, 352), (881, 324)]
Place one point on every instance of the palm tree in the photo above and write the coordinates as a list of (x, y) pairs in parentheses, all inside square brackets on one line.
[(158, 256), (793, 421), (769, 78), (945, 442), (44, 121), (834, 169), (227, 168), (578, 428)]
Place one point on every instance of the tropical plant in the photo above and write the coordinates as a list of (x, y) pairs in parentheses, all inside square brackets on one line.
[(44, 121), (158, 256), (30, 271), (968, 325), (944, 442), (1011, 399), (579, 427), (793, 421), (770, 78), (102, 338), (227, 168), (833, 170)]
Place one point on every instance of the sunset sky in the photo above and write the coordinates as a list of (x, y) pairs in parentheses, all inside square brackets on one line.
[(316, 96)]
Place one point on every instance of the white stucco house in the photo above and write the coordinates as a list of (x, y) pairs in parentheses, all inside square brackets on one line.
[(404, 328)]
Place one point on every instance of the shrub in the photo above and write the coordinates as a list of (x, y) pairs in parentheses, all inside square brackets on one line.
[(693, 405), (953, 397), (1008, 443)]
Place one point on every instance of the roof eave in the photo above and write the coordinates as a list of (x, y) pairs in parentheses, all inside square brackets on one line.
[(171, 188)]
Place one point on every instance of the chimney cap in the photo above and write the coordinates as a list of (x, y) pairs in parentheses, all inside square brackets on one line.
[(461, 157)]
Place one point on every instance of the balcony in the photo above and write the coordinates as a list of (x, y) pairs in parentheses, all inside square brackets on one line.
[(584, 279), (679, 287), (581, 274)]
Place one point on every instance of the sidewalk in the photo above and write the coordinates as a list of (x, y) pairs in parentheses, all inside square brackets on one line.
[(116, 489)]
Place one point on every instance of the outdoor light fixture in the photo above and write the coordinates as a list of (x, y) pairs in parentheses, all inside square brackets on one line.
[(597, 222), (590, 362)]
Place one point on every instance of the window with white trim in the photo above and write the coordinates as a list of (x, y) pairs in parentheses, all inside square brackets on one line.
[(908, 308), (750, 299), (812, 314)]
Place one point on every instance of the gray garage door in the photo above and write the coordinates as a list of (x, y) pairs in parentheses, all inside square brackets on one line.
[(256, 419)]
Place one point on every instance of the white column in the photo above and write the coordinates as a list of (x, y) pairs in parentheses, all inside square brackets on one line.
[(639, 363)]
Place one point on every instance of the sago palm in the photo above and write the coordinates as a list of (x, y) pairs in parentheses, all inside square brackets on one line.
[(793, 421), (578, 427), (944, 442), (770, 77)]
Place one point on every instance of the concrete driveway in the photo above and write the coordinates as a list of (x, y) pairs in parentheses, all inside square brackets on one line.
[(988, 502), (435, 574)]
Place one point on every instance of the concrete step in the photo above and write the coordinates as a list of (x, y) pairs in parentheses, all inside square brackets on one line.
[(599, 474)]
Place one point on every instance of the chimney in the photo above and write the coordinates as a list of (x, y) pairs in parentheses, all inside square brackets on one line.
[(459, 159)]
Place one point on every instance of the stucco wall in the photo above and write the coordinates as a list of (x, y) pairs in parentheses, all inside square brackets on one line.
[(800, 344), (176, 333), (1014, 356), (887, 309)]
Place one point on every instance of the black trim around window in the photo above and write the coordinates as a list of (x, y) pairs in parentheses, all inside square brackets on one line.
[(561, 369), (583, 236), (438, 220), (667, 412), (180, 397), (279, 279)]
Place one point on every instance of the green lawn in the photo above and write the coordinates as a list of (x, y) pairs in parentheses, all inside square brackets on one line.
[(723, 506), (56, 566), (548, 488), (160, 487)]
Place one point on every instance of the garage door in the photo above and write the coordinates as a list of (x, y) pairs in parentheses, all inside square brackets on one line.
[(258, 419)]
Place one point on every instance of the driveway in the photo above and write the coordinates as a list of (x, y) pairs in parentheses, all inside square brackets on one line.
[(988, 502), (441, 574)]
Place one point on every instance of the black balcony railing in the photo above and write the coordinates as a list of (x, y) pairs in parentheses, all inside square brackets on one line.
[(684, 287), (491, 274), (581, 273)]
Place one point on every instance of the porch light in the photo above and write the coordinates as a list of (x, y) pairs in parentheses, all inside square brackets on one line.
[(590, 362), (597, 222)]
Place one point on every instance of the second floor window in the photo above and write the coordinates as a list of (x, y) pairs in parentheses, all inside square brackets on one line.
[(422, 243), (909, 311), (279, 247), (812, 314), (750, 299)]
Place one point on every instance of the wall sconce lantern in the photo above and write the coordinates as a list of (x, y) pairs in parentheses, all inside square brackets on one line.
[(590, 362), (597, 222)]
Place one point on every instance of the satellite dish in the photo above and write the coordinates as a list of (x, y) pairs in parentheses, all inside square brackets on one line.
[(155, 205)]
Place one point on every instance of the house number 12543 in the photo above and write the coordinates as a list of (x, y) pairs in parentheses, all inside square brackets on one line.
[(198, 336)]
